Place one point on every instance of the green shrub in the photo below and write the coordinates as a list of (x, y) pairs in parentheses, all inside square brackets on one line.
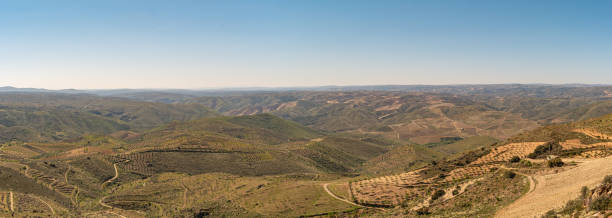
[(555, 162), (601, 203), (550, 214), (526, 163), (456, 192), (509, 174), (422, 211), (545, 149), (515, 159), (439, 193), (584, 191), (572, 206), (607, 179)]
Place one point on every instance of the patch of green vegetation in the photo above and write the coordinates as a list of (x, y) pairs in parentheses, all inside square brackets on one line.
[(550, 148), (555, 162), (401, 159), (458, 146), (482, 198)]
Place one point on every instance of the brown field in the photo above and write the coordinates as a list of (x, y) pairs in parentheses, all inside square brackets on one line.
[(135, 162), (576, 144), (593, 133), (470, 172), (52, 183), (506, 152), (29, 204), (387, 190), (5, 201)]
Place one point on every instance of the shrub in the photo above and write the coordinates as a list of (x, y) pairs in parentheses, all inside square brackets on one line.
[(422, 211), (555, 162), (572, 206), (515, 159), (548, 148), (584, 192), (509, 174), (439, 193), (456, 192), (550, 214), (601, 203), (607, 179), (526, 163)]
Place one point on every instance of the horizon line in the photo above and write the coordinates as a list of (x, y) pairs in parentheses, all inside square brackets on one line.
[(245, 88)]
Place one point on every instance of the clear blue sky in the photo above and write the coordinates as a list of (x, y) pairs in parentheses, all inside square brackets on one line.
[(201, 44)]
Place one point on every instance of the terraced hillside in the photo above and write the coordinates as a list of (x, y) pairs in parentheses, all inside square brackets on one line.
[(354, 153), (416, 190)]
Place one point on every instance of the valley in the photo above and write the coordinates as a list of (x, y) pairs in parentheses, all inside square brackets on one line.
[(363, 153)]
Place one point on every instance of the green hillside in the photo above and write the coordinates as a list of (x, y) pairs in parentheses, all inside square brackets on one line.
[(401, 159), (54, 117)]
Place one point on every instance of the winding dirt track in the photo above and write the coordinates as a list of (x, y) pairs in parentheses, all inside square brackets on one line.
[(339, 198), (184, 194), (554, 190), (114, 177), (44, 202), (12, 202)]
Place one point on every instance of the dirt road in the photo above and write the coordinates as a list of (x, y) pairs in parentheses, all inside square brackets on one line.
[(336, 197), (12, 201), (44, 202), (114, 177), (554, 190)]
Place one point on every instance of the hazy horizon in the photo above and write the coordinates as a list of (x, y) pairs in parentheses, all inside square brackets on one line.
[(272, 44), (255, 88)]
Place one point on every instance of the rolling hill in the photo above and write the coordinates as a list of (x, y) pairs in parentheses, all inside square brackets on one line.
[(298, 153)]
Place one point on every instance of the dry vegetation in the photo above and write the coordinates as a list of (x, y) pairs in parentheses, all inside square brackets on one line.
[(58, 154)]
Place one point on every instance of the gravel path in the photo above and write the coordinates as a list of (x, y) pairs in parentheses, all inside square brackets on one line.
[(336, 197), (114, 177), (554, 190)]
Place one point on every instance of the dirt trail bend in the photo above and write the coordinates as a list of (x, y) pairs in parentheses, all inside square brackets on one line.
[(184, 194), (530, 179), (339, 198), (114, 177), (12, 201), (44, 202), (554, 190)]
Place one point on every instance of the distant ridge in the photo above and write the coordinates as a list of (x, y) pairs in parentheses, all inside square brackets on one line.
[(540, 90)]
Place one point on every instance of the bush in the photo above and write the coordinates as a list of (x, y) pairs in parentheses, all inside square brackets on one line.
[(584, 192), (550, 214), (548, 148), (607, 179), (555, 162), (422, 211), (456, 192), (526, 163), (572, 206), (439, 193), (509, 174), (601, 203), (515, 159)]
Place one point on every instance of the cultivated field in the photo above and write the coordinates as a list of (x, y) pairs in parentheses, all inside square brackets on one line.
[(553, 190), (506, 152)]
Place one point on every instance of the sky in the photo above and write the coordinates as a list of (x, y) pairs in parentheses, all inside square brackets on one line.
[(214, 44)]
